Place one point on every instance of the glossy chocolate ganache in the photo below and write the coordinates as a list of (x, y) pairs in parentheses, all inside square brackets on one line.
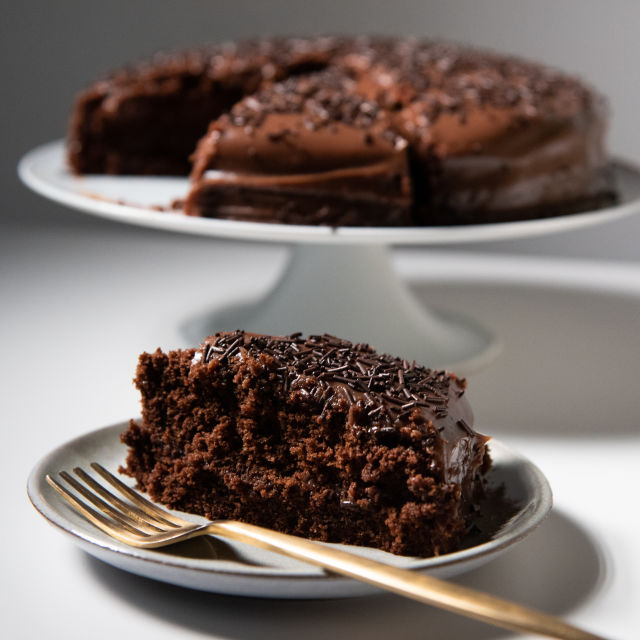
[(314, 436), (352, 131)]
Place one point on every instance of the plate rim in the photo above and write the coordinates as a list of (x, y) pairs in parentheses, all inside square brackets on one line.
[(57, 518), (269, 232)]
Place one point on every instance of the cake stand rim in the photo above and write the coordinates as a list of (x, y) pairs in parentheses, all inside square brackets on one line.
[(44, 171)]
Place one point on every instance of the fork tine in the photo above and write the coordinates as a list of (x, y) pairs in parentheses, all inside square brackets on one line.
[(123, 519), (148, 507), (111, 527), (130, 513)]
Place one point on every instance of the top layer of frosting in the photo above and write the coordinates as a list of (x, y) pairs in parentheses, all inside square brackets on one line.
[(395, 72), (305, 124), (451, 98), (385, 392)]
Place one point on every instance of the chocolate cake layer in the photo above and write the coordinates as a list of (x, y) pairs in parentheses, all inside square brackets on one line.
[(313, 436), (453, 135)]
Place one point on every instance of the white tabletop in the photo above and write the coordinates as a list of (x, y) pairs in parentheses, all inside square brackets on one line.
[(81, 299)]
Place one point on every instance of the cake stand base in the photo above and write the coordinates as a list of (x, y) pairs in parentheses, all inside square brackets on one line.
[(352, 291)]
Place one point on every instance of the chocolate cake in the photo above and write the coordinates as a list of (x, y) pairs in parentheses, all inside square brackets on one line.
[(351, 131), (316, 436)]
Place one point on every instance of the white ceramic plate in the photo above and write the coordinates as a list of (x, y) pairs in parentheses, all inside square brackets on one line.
[(132, 199), (234, 568)]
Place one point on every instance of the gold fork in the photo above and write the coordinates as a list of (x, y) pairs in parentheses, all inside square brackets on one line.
[(140, 523)]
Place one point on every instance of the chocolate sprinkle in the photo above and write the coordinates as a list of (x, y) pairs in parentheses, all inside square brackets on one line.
[(381, 384)]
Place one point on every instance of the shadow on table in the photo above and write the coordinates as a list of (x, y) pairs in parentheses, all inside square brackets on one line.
[(556, 569), (568, 363)]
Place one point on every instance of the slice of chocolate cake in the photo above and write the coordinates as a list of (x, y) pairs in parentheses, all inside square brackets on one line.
[(317, 437)]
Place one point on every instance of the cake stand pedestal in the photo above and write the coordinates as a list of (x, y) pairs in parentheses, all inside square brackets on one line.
[(338, 281)]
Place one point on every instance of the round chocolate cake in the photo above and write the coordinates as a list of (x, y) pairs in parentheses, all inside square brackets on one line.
[(351, 131)]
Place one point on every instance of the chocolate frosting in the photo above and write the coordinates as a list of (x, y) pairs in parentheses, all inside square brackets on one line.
[(385, 394), (307, 124)]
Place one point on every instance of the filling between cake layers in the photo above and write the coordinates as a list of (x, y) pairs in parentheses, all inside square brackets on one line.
[(313, 436)]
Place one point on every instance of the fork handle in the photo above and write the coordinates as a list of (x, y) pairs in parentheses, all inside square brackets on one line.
[(421, 587)]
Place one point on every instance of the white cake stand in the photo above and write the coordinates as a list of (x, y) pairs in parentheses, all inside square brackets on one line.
[(339, 280)]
